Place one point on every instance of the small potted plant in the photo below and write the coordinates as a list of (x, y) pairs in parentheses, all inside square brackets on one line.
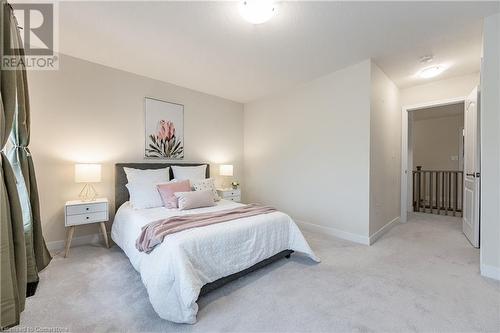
[(235, 185)]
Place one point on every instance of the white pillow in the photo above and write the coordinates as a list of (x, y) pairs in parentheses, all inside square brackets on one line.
[(192, 173), (142, 186), (206, 185), (148, 175), (194, 199), (144, 195)]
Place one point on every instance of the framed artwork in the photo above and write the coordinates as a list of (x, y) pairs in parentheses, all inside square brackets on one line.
[(164, 129)]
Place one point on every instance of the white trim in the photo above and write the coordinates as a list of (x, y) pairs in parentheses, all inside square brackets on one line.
[(334, 232), (404, 146), (441, 102), (76, 241), (491, 272), (404, 166), (373, 238)]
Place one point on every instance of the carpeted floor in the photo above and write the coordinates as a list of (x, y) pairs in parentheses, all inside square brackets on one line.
[(421, 276)]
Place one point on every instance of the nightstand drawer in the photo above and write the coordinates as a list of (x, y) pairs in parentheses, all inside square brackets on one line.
[(87, 208), (86, 218), (228, 194), (235, 198)]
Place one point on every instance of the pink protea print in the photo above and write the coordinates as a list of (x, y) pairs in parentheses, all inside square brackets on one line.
[(164, 143)]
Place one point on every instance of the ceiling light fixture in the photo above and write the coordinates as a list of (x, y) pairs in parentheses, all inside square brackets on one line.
[(257, 11), (426, 59), (432, 71)]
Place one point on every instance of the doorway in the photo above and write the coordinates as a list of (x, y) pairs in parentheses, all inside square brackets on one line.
[(447, 182), (435, 152)]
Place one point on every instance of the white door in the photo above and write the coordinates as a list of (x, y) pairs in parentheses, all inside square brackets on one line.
[(471, 169)]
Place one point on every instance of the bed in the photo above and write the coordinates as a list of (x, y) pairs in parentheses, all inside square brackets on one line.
[(195, 261)]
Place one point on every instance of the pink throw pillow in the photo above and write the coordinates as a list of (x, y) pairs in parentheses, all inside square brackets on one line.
[(167, 192), (195, 199)]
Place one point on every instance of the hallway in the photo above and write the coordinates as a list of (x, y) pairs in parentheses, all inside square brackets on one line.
[(443, 230)]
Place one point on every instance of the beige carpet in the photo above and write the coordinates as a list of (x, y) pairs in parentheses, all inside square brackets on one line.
[(421, 276)]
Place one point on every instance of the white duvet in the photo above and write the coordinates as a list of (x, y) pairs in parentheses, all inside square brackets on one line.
[(175, 270)]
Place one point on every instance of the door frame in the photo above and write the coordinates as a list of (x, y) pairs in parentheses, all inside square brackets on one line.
[(405, 170)]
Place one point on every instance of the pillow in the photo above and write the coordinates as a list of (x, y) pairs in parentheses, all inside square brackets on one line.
[(142, 186), (206, 185), (190, 172), (167, 192), (194, 199), (153, 176), (143, 195)]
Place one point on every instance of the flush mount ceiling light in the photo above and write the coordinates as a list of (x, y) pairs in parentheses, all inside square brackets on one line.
[(432, 71), (257, 11), (426, 59)]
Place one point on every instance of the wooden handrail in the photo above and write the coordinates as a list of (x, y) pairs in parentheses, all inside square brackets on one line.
[(438, 192)]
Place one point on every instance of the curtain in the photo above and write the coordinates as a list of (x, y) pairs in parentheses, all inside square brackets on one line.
[(22, 249), (37, 252), (12, 246)]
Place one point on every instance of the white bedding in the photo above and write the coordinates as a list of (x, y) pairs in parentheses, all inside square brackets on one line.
[(175, 270)]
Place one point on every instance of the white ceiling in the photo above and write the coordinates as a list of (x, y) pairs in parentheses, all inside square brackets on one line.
[(208, 47)]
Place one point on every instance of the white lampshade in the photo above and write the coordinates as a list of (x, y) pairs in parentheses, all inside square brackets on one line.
[(226, 169), (87, 173)]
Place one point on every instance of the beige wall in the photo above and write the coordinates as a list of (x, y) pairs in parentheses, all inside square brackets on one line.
[(85, 112), (307, 152), (460, 86), (385, 151), (329, 152), (436, 142), (490, 149)]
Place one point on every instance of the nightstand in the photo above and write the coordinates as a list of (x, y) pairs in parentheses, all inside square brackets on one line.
[(79, 212), (230, 194)]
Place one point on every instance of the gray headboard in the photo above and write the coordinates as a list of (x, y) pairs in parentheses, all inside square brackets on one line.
[(121, 192)]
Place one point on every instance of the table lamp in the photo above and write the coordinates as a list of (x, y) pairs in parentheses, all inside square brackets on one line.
[(88, 174), (226, 170)]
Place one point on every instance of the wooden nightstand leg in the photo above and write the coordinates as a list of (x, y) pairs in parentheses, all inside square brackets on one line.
[(104, 234), (69, 237)]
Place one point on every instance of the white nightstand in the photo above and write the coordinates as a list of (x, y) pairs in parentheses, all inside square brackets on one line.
[(79, 212), (230, 194)]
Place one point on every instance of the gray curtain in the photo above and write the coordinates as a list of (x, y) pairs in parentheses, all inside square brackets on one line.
[(22, 249)]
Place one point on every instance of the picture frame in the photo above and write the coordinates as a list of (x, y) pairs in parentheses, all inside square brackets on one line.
[(164, 129)]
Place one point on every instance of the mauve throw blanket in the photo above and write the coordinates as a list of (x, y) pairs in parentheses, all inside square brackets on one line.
[(153, 233)]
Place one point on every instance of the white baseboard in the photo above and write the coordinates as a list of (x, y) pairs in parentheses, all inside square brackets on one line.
[(334, 232), (373, 238), (491, 272), (76, 241)]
